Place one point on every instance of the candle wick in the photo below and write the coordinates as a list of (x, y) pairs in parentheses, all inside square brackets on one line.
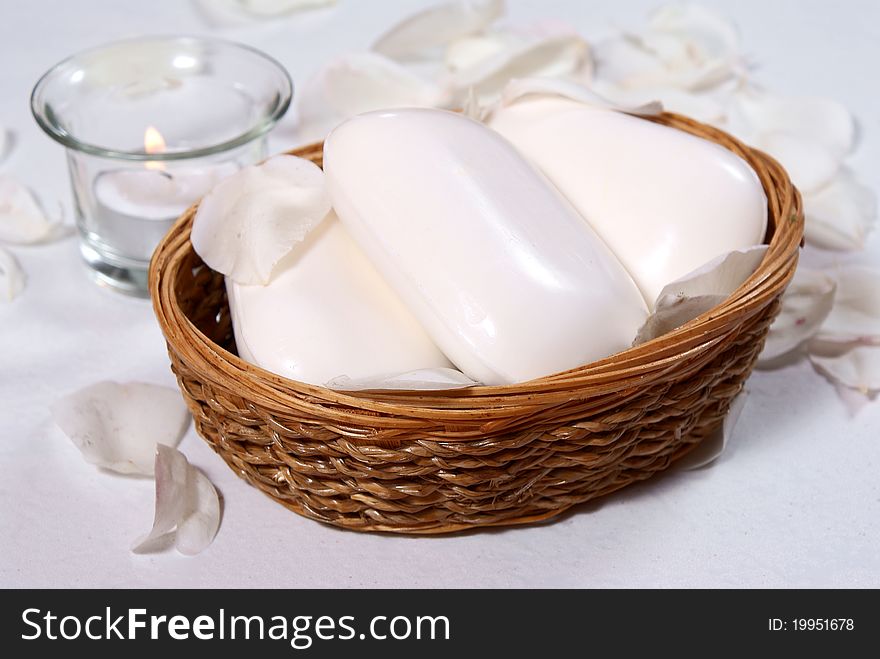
[(166, 175)]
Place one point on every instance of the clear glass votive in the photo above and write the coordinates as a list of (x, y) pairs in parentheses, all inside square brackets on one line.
[(150, 125)]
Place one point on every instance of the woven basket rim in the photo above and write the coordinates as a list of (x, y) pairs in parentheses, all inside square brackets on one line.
[(613, 376)]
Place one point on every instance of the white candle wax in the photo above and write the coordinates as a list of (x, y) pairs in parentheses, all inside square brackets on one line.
[(135, 207)]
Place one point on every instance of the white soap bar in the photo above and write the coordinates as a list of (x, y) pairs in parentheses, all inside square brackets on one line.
[(325, 314), (664, 201), (501, 271)]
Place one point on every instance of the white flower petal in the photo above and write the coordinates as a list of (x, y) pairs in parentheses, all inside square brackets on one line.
[(140, 67), (809, 164), (423, 379), (699, 291), (12, 278), (857, 368), (270, 8), (22, 220), (438, 26), (117, 426), (805, 306), (187, 505), (525, 87), (356, 83), (713, 35), (227, 13), (467, 52), (251, 219), (841, 214), (621, 62), (684, 46), (557, 56), (5, 143), (855, 316), (817, 119), (711, 448), (701, 107), (854, 401)]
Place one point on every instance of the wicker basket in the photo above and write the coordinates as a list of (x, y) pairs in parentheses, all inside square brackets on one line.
[(434, 462)]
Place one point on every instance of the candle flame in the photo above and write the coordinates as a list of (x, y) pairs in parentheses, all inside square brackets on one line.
[(154, 143)]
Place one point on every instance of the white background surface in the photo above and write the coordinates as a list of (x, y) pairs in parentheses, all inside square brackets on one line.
[(795, 500)]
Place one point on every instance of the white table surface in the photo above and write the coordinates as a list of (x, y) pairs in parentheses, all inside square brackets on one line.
[(794, 501)]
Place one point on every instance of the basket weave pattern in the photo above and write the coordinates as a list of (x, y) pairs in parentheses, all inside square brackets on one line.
[(433, 462)]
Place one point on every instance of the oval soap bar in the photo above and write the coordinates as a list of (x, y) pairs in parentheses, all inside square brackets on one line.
[(501, 271), (666, 202), (327, 313)]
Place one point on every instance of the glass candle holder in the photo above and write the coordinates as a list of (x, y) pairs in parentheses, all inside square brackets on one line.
[(150, 125)]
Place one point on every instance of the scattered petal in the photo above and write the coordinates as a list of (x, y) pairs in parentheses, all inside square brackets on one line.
[(854, 401), (808, 117), (711, 448), (701, 107), (5, 143), (855, 316), (841, 214), (624, 64), (187, 505), (270, 8), (438, 26), (708, 35), (426, 379), (809, 164), (140, 67), (521, 88), (684, 46), (117, 426), (251, 219), (805, 306), (699, 291), (12, 278), (224, 13), (468, 52), (558, 56), (22, 220), (356, 83), (856, 368)]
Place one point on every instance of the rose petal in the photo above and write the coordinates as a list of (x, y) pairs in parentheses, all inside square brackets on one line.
[(250, 220), (5, 143), (621, 62), (699, 291), (684, 46), (715, 36), (855, 316), (557, 56), (522, 88), (711, 448), (857, 368), (186, 502), (854, 401), (808, 117), (437, 26), (12, 278), (423, 379), (841, 214), (809, 164), (270, 8), (805, 306), (224, 13), (702, 107), (467, 52), (117, 426), (139, 68), (356, 83), (22, 220)]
